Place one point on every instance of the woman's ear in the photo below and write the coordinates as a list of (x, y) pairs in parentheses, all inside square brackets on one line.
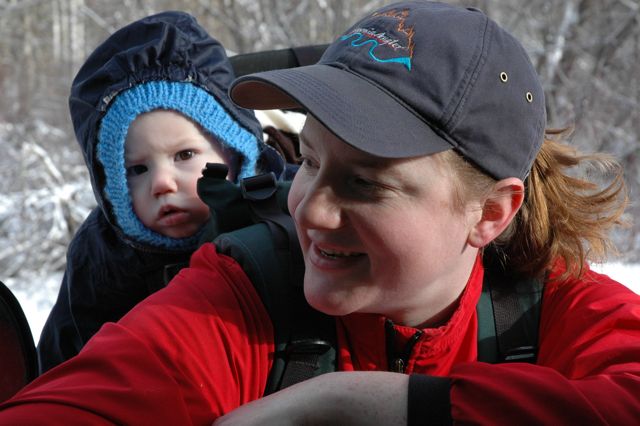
[(498, 211)]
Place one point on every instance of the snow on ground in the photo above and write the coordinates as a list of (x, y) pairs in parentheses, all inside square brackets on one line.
[(627, 274), (37, 299), (37, 303)]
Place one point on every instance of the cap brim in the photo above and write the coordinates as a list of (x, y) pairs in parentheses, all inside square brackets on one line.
[(357, 111)]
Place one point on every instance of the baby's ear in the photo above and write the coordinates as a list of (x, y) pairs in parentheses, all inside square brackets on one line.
[(497, 212)]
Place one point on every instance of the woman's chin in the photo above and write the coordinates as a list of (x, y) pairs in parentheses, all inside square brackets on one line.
[(330, 303)]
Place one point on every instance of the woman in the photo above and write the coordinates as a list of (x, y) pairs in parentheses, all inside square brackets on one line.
[(424, 146)]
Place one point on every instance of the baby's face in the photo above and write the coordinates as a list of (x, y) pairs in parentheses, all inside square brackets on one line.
[(164, 156)]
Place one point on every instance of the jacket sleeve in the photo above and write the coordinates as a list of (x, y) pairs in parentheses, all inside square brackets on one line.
[(588, 369), (186, 355)]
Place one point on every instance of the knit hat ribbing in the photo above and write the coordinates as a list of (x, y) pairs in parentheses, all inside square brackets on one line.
[(185, 98)]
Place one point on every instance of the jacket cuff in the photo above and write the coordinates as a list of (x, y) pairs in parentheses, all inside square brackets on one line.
[(429, 401)]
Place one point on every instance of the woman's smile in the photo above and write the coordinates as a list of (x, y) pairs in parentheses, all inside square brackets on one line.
[(326, 258)]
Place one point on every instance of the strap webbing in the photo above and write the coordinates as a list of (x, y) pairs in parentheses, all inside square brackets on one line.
[(508, 317)]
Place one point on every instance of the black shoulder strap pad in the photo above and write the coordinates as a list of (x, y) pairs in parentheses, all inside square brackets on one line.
[(508, 317), (270, 255)]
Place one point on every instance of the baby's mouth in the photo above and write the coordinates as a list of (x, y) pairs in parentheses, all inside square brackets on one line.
[(172, 216), (167, 211)]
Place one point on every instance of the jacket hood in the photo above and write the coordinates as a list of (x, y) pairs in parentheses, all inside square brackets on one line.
[(171, 57)]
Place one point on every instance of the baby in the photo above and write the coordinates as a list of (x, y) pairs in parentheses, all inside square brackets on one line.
[(150, 109)]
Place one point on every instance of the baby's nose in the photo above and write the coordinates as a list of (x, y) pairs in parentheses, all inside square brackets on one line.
[(163, 182)]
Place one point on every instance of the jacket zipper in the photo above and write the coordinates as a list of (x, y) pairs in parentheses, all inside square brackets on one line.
[(398, 361)]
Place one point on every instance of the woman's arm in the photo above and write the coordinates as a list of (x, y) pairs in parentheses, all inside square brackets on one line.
[(588, 368), (186, 355), (345, 398)]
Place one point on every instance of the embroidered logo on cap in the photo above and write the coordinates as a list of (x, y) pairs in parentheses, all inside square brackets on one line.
[(376, 38)]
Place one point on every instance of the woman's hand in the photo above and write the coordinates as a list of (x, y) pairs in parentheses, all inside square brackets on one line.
[(345, 398)]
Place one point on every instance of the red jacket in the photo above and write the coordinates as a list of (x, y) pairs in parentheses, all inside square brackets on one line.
[(203, 346)]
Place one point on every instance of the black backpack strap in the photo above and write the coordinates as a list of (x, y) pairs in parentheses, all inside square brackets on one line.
[(308, 55), (248, 63), (270, 255), (508, 317)]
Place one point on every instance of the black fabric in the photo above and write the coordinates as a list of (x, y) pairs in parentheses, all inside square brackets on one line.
[(17, 351), (247, 63), (429, 401), (309, 55)]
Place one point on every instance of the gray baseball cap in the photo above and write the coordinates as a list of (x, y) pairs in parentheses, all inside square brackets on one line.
[(415, 78)]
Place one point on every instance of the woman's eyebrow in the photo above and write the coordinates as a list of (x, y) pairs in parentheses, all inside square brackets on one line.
[(303, 140)]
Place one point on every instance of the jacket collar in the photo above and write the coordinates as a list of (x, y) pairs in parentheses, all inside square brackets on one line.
[(362, 337)]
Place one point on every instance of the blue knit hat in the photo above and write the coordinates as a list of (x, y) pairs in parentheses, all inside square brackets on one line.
[(191, 101)]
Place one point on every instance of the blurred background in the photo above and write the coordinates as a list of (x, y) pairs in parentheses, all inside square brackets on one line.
[(586, 51)]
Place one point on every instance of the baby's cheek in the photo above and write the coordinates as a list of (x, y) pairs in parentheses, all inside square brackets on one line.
[(201, 212)]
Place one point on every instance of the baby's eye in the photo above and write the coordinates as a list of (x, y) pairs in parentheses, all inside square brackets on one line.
[(136, 170), (185, 155)]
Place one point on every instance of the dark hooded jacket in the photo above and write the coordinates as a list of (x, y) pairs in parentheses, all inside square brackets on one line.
[(108, 271)]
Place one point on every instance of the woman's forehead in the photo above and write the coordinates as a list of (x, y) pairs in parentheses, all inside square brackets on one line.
[(315, 137)]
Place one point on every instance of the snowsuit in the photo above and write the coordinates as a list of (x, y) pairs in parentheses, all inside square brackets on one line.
[(203, 346), (113, 261)]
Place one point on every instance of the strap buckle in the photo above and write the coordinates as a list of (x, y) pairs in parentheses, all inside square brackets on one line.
[(308, 346), (260, 187), (521, 354), (215, 170)]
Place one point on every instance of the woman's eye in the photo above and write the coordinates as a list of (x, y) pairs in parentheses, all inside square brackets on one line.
[(185, 155), (361, 182), (367, 188), (306, 162), (136, 170), (364, 183)]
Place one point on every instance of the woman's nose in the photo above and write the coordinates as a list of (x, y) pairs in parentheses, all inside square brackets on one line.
[(319, 208)]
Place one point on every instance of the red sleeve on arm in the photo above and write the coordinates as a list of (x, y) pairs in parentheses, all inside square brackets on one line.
[(187, 354), (588, 368)]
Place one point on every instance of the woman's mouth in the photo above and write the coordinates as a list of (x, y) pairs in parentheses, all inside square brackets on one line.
[(333, 259), (334, 254)]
